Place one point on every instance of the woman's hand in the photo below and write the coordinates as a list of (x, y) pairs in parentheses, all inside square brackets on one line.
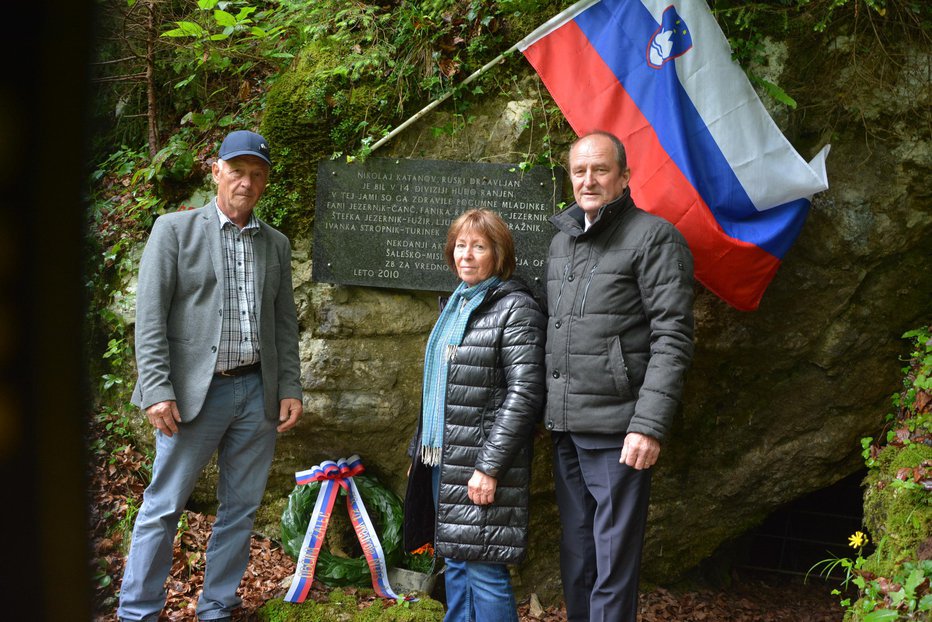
[(482, 488)]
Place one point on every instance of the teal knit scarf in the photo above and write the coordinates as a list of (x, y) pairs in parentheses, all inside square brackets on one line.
[(441, 348)]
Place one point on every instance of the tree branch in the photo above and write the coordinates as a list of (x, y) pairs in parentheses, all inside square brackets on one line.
[(124, 78)]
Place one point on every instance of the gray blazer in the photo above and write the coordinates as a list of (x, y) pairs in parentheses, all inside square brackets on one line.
[(179, 307)]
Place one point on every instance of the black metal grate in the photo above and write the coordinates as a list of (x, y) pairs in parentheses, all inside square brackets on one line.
[(811, 529)]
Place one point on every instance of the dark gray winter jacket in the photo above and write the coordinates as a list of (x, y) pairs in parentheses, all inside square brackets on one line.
[(620, 331), (495, 392)]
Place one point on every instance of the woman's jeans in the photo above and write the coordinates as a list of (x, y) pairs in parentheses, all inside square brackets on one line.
[(476, 591)]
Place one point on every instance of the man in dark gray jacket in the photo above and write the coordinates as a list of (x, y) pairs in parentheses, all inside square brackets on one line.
[(619, 342)]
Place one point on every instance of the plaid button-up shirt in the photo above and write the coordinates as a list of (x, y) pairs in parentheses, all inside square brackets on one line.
[(239, 334)]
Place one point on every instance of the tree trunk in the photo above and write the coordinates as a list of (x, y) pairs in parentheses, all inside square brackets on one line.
[(152, 109)]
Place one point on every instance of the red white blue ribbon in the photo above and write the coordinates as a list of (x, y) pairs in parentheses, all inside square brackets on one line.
[(333, 476)]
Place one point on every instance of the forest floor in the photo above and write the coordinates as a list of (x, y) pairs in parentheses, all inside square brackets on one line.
[(117, 481)]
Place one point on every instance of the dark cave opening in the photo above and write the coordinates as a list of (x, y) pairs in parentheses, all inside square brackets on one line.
[(802, 533)]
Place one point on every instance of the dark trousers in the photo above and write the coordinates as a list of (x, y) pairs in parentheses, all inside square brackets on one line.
[(603, 509)]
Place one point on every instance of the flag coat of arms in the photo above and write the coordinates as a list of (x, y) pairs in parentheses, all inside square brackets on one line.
[(703, 151)]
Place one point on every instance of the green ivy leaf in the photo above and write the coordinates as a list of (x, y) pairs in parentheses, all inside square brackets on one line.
[(224, 19), (186, 29), (925, 604), (185, 82), (776, 92), (245, 12), (881, 615), (915, 578), (897, 597)]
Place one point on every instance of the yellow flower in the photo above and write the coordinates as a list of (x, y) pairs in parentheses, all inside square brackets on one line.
[(857, 540)]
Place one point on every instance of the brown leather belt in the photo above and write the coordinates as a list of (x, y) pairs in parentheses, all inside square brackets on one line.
[(239, 371)]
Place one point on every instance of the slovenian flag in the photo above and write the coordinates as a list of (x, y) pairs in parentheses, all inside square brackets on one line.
[(703, 152)]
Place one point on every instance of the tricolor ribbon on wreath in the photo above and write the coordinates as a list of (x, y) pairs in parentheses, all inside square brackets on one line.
[(333, 476)]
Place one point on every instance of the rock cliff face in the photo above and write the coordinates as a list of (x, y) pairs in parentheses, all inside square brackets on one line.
[(776, 400)]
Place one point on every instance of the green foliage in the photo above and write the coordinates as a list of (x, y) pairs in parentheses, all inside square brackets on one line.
[(225, 40), (850, 567), (548, 119), (384, 508), (306, 112), (918, 379), (905, 595), (100, 574), (364, 69), (419, 560), (773, 90), (748, 25), (125, 525), (122, 204), (415, 46), (129, 191), (892, 583), (829, 8)]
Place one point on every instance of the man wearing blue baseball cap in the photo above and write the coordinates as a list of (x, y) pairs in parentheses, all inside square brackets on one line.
[(218, 371)]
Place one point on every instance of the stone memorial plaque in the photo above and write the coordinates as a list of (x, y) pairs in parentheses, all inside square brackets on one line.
[(383, 223)]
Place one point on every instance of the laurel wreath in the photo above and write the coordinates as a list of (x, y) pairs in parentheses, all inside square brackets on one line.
[(384, 508)]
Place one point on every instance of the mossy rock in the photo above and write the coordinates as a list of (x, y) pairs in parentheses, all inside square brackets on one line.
[(345, 607), (312, 110), (898, 515)]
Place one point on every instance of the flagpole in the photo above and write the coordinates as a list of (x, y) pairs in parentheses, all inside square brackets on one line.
[(495, 61)]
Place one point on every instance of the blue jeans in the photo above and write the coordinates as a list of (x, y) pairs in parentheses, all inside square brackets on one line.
[(233, 422), (476, 591)]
